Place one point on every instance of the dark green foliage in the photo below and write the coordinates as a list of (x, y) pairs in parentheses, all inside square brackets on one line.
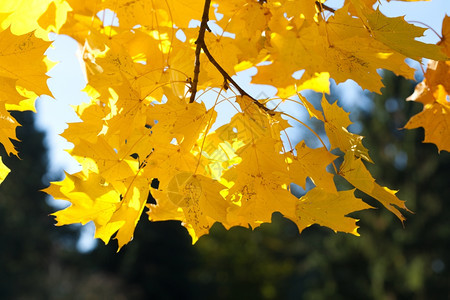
[(27, 234)]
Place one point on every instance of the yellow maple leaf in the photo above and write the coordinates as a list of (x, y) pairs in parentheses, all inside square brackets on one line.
[(22, 79), (312, 163), (93, 199), (21, 59), (445, 41), (165, 161), (102, 158), (89, 128), (200, 200), (7, 130), (24, 16), (434, 92), (336, 123), (128, 212), (181, 120), (435, 119), (258, 197), (249, 18), (4, 170), (355, 172), (401, 36), (328, 209), (144, 59), (261, 180)]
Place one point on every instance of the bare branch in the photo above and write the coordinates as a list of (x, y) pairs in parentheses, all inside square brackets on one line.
[(200, 41), (201, 45), (231, 80), (324, 7)]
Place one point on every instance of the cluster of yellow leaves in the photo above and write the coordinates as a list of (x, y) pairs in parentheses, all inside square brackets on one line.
[(139, 137), (434, 93), (22, 66)]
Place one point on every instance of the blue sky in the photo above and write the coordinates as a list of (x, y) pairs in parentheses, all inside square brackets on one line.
[(67, 80)]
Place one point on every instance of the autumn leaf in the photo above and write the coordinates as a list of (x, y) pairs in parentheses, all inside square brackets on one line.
[(355, 172), (193, 199), (336, 123), (328, 209), (433, 92), (22, 79), (21, 59), (435, 119), (25, 16), (4, 170), (312, 163), (159, 74), (399, 35)]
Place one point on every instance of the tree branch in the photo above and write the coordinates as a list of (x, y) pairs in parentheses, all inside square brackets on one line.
[(231, 80), (324, 7), (200, 41), (201, 45)]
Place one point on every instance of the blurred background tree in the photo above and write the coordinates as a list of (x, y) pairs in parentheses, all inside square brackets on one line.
[(29, 243), (39, 261)]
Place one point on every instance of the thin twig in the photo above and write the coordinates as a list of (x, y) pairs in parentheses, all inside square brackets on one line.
[(324, 7), (200, 41), (201, 45), (231, 80)]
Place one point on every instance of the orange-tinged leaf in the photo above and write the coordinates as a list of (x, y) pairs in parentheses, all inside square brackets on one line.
[(435, 119), (436, 76), (8, 93), (408, 0), (312, 111), (445, 41), (434, 93)]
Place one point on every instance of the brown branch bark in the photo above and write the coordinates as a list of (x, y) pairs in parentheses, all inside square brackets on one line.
[(231, 80), (325, 7), (200, 41), (201, 45)]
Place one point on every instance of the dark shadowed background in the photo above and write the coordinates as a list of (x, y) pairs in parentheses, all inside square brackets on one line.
[(388, 261)]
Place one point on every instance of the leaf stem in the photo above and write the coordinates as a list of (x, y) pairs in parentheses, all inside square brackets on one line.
[(228, 78)]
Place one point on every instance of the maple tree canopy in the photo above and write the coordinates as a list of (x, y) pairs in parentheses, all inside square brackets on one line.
[(159, 74)]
